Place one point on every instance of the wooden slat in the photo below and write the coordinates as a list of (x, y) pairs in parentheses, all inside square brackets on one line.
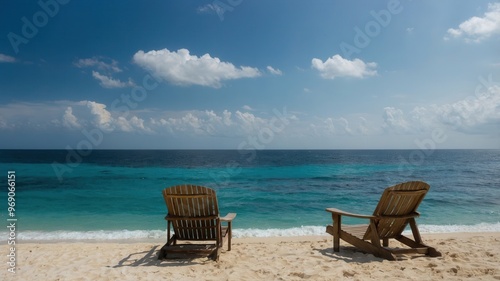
[(192, 201), (396, 209), (193, 214), (398, 200), (356, 230)]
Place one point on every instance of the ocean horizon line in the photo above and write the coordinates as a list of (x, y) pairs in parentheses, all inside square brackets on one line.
[(235, 149)]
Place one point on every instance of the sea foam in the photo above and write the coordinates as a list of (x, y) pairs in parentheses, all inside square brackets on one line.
[(237, 233)]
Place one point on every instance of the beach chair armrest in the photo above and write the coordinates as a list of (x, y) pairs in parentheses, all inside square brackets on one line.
[(343, 213), (229, 217)]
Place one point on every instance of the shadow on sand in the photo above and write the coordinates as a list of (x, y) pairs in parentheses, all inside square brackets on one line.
[(150, 258), (353, 254)]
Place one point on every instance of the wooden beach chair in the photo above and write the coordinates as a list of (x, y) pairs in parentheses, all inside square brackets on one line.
[(193, 214), (396, 209)]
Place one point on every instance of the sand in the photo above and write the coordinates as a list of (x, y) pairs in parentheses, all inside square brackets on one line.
[(473, 256)]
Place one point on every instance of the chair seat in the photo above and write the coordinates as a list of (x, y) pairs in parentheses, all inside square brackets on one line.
[(358, 230), (185, 251)]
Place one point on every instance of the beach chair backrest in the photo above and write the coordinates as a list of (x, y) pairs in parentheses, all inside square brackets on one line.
[(195, 211), (396, 204)]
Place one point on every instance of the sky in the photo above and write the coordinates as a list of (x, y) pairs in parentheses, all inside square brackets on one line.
[(249, 74)]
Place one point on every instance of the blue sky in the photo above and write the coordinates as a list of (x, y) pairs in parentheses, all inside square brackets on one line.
[(241, 74)]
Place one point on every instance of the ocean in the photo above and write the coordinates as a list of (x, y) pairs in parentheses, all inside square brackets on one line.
[(116, 194)]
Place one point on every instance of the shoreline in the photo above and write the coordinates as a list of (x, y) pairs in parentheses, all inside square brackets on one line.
[(147, 235), (269, 239), (473, 255)]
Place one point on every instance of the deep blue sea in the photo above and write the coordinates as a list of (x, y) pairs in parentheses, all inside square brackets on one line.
[(116, 194)]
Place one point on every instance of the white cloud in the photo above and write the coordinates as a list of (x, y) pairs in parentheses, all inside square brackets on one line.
[(475, 114), (210, 123), (248, 122), (472, 112), (106, 70), (108, 82), (331, 127), (274, 71), (345, 125), (195, 123), (394, 119), (70, 120), (479, 28), (226, 118), (98, 63), (363, 127), (337, 66), (133, 124), (247, 108), (5, 58), (102, 117), (181, 68)]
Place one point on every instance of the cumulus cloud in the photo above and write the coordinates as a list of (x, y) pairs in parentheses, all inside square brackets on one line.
[(221, 124), (249, 122), (479, 114), (477, 29), (109, 83), (394, 119), (132, 124), (481, 109), (97, 115), (102, 117), (363, 127), (274, 71), (331, 126), (337, 66), (181, 68), (475, 114), (8, 59), (69, 120)]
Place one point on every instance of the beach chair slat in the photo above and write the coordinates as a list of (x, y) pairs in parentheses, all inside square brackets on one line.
[(194, 214), (397, 208)]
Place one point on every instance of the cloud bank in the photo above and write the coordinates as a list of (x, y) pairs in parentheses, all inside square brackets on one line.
[(475, 115)]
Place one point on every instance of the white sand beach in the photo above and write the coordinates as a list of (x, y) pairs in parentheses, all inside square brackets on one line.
[(473, 256)]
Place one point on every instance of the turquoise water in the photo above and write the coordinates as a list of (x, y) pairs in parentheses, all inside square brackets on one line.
[(274, 193)]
